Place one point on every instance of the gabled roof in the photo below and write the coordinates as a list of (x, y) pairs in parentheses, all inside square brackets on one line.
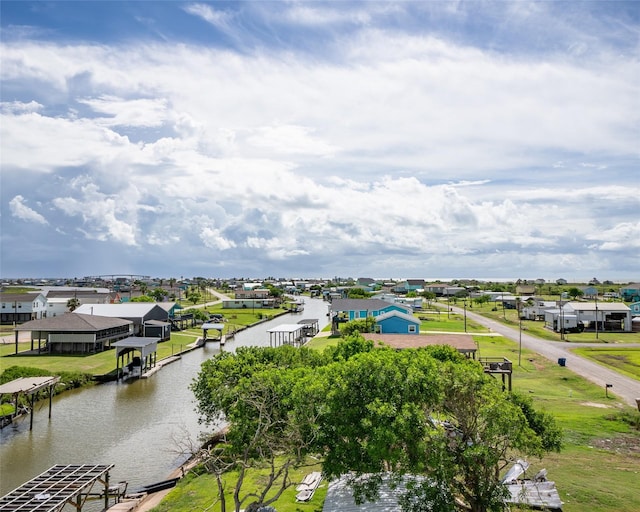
[(19, 297), (399, 314), (601, 306), (73, 322), (364, 305)]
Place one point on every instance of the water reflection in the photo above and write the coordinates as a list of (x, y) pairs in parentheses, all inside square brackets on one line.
[(135, 425)]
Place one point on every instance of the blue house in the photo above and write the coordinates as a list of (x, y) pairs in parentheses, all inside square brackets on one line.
[(395, 322), (631, 292), (635, 309), (355, 309)]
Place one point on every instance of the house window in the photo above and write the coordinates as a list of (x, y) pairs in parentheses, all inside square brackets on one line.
[(412, 328)]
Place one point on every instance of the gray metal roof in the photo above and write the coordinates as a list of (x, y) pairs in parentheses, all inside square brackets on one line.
[(51, 490), (340, 498), (73, 322), (27, 385), (124, 310)]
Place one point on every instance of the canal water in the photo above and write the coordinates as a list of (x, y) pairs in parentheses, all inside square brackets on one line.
[(138, 426)]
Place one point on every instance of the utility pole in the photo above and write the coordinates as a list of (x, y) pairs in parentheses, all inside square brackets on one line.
[(596, 315), (520, 343), (465, 316)]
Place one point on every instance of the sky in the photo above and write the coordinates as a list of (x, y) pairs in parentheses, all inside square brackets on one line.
[(433, 139)]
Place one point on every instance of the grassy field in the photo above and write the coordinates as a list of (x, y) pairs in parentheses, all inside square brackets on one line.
[(623, 360)]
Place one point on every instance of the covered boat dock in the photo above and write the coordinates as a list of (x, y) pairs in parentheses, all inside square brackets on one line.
[(286, 334), (28, 386), (148, 354), (58, 486)]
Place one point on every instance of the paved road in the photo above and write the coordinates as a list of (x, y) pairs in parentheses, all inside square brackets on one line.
[(626, 388)]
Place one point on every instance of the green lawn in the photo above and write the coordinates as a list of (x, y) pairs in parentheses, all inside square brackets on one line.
[(195, 493), (620, 359)]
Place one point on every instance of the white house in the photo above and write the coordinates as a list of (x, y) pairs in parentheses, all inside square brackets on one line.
[(22, 307)]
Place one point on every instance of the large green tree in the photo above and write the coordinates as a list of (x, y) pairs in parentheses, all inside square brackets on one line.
[(429, 418)]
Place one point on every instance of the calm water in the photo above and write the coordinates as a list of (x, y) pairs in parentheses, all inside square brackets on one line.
[(137, 426)]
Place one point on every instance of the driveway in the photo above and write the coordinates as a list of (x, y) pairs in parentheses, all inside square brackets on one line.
[(626, 388)]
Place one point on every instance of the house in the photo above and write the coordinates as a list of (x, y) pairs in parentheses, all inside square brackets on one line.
[(589, 292), (76, 333), (526, 289), (537, 310), (410, 285), (630, 292), (58, 298), (249, 304), (137, 312), (635, 309), (22, 307), (396, 322), (346, 310), (252, 293), (354, 309), (437, 288)]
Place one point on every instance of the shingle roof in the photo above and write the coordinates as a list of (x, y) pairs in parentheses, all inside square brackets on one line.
[(363, 305), (73, 322), (461, 342), (18, 297)]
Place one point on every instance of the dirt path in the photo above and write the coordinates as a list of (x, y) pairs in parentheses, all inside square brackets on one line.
[(626, 388)]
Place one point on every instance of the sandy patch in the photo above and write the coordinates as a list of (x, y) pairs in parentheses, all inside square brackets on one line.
[(593, 404)]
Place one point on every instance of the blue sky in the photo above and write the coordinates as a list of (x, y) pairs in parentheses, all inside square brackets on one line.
[(310, 139)]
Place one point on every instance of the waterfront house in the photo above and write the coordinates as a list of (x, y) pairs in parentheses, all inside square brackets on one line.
[(76, 333)]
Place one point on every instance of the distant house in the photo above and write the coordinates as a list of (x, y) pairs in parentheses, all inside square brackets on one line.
[(561, 281), (22, 307), (396, 322), (635, 309), (537, 310), (436, 288), (249, 303), (410, 285), (58, 298), (137, 312), (526, 290), (589, 292), (252, 293), (76, 333), (630, 292)]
